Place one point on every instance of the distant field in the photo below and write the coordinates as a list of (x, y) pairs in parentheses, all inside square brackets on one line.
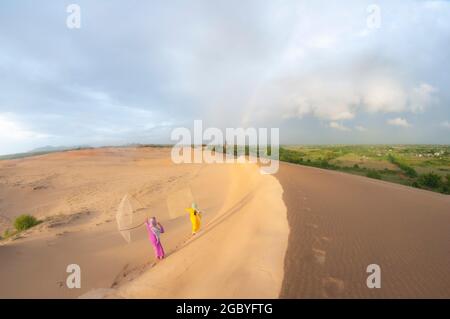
[(422, 166)]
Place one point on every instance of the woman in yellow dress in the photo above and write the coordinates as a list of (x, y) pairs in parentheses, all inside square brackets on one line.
[(196, 218)]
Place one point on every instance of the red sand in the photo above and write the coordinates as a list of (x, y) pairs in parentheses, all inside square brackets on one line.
[(341, 223)]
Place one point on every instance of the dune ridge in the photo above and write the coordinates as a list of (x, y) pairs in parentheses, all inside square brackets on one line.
[(239, 253)]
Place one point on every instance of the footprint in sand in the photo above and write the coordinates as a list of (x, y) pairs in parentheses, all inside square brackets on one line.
[(333, 287), (319, 255), (325, 239), (314, 226), (322, 240)]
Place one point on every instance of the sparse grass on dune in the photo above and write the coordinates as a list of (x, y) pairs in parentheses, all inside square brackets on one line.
[(21, 223)]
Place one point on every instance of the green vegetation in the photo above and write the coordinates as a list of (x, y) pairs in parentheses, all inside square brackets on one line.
[(373, 174), (21, 223), (411, 172), (430, 180), (24, 222), (296, 157), (421, 166), (446, 186), (7, 233)]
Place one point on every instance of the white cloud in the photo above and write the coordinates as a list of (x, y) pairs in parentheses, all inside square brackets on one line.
[(445, 124), (339, 126), (333, 98), (323, 41), (383, 94), (11, 129), (363, 33), (399, 122), (292, 60), (422, 97), (321, 96), (360, 128)]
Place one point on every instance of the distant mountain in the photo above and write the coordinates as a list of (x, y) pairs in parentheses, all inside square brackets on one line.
[(49, 148), (43, 150)]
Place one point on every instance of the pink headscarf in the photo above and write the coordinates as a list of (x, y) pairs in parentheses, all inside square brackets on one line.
[(153, 222)]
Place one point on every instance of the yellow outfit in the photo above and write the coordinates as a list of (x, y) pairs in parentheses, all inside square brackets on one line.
[(195, 219)]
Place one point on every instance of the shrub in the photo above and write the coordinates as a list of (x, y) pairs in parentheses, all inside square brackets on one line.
[(431, 180), (24, 222), (373, 174), (356, 166), (324, 164), (446, 185), (408, 170), (7, 233), (445, 189)]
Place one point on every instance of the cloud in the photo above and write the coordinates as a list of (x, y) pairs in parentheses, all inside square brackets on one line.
[(339, 126), (382, 73), (422, 97), (383, 94), (398, 122), (360, 128), (337, 96), (445, 124), (388, 95), (11, 129), (266, 64)]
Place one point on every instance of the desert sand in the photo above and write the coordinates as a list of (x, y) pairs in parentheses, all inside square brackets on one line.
[(77, 193), (302, 233), (239, 254), (341, 223)]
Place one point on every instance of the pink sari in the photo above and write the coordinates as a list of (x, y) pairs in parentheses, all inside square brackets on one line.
[(154, 235)]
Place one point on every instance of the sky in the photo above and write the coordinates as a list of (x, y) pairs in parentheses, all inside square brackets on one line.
[(323, 72)]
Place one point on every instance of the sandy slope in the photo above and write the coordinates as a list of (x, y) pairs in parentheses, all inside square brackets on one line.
[(302, 233), (239, 254), (341, 223), (79, 192)]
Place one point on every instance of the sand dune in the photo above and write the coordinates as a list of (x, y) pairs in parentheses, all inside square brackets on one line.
[(239, 254), (78, 203), (341, 223), (79, 207), (302, 233)]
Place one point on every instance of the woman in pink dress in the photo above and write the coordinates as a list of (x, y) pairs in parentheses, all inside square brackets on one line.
[(155, 230)]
